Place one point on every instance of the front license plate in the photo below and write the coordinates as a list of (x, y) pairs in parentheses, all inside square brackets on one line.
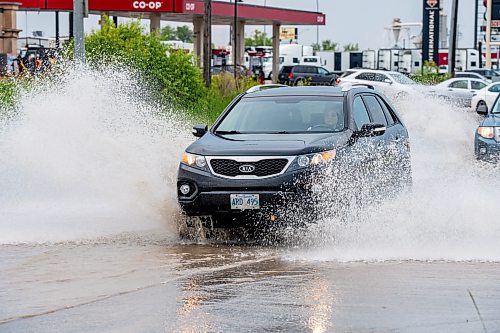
[(245, 201)]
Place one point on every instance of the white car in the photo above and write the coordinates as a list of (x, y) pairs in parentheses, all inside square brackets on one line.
[(485, 96), (471, 75), (458, 91), (392, 84)]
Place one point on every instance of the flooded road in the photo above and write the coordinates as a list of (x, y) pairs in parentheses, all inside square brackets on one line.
[(150, 284), (89, 243)]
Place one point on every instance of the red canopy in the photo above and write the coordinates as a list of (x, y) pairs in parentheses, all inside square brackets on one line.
[(185, 10)]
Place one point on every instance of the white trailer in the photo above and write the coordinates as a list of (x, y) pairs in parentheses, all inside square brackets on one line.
[(327, 59), (369, 59)]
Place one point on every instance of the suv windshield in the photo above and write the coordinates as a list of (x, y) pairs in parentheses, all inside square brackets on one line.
[(496, 107), (282, 115), (402, 79)]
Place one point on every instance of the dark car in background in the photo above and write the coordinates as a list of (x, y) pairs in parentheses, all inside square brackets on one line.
[(275, 148), (487, 73), (306, 75), (487, 137), (240, 70)]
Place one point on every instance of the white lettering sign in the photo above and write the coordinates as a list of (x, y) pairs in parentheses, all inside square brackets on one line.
[(190, 6), (147, 4)]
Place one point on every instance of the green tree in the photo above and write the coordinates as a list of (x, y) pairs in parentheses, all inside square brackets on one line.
[(351, 47), (259, 38), (168, 33), (171, 73), (316, 47), (328, 45), (185, 34)]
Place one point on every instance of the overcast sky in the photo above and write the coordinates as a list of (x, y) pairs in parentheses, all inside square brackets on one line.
[(347, 21)]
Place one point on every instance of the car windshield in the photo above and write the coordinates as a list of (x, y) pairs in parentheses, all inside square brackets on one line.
[(402, 79), (283, 115), (496, 108)]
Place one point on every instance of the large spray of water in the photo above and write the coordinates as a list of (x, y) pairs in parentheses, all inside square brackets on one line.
[(448, 215), (87, 157)]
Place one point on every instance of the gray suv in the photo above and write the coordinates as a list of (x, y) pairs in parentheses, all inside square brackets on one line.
[(275, 149)]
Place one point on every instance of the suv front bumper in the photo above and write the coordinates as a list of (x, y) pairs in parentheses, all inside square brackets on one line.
[(210, 195), (487, 149)]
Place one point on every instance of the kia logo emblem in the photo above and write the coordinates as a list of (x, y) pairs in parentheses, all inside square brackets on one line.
[(432, 3), (247, 168)]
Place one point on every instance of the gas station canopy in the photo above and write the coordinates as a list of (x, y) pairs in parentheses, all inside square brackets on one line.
[(184, 11)]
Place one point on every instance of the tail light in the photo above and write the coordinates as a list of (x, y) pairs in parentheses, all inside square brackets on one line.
[(290, 76), (337, 82)]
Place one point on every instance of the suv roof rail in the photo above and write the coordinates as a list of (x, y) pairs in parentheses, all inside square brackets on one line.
[(265, 87), (347, 86)]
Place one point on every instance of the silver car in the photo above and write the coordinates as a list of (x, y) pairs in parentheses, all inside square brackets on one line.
[(458, 91)]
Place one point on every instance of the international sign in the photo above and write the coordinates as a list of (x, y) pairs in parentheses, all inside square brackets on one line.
[(288, 33), (430, 31)]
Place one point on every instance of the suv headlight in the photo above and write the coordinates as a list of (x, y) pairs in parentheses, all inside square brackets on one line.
[(304, 161), (195, 161), (486, 132)]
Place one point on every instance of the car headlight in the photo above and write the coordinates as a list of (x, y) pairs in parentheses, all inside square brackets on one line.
[(304, 161), (486, 132), (195, 161)]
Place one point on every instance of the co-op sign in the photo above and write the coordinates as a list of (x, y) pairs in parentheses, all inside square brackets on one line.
[(148, 5)]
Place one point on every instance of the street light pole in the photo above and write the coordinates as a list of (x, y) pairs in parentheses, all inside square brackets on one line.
[(453, 39), (317, 26), (207, 43), (235, 37), (489, 4)]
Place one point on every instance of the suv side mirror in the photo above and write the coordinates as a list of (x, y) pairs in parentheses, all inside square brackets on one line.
[(200, 130), (372, 129), (482, 109), (388, 81)]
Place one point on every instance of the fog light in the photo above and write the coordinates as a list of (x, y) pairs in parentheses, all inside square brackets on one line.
[(482, 150), (303, 161), (185, 189)]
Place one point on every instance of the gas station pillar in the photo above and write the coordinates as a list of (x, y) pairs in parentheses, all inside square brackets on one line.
[(8, 27), (240, 35), (276, 52), (198, 26), (155, 22)]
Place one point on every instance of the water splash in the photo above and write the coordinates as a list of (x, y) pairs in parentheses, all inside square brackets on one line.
[(449, 214), (85, 157)]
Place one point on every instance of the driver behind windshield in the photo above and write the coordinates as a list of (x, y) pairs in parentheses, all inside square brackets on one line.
[(332, 118)]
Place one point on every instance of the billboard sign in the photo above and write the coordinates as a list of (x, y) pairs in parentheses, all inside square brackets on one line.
[(288, 33), (430, 31)]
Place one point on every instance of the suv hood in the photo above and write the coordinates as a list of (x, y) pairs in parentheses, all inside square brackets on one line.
[(491, 120), (266, 144)]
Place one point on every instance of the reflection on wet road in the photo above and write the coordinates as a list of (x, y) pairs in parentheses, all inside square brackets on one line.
[(151, 285)]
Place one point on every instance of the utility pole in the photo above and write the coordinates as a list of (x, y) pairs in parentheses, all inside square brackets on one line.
[(58, 42), (317, 26), (207, 42), (80, 10), (489, 5), (235, 38), (453, 39)]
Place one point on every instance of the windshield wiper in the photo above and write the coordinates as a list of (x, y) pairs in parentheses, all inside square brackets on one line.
[(227, 132)]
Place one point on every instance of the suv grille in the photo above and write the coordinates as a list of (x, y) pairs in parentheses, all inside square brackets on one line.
[(231, 168)]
